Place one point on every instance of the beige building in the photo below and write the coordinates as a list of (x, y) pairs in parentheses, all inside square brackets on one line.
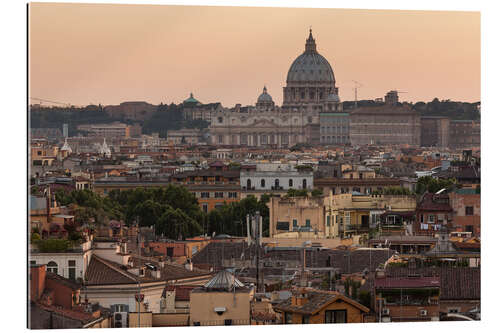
[(296, 216), (332, 216), (347, 213), (190, 136), (271, 127), (385, 125), (223, 300), (195, 110), (112, 130)]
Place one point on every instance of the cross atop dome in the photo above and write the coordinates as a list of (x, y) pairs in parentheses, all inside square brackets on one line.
[(310, 43)]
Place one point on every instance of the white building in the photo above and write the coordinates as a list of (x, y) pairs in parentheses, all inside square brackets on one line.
[(275, 177), (71, 264)]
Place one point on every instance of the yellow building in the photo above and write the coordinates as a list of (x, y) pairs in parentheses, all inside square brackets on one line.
[(332, 216), (349, 213)]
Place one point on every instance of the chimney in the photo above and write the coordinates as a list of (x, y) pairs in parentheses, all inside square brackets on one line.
[(37, 283), (299, 299)]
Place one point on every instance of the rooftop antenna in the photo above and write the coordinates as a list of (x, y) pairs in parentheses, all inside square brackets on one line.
[(356, 86)]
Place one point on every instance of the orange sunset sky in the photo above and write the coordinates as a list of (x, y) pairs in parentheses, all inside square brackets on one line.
[(107, 54)]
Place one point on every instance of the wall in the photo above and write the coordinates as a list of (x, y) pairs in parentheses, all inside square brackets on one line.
[(146, 319), (458, 202), (170, 319), (298, 208), (202, 306), (37, 281), (63, 295), (61, 259)]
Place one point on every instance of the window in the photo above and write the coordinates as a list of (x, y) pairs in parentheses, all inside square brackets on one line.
[(205, 208), (52, 267), (305, 319), (308, 223), (335, 316), (469, 210), (295, 223), (249, 183), (262, 183), (328, 221), (431, 218), (276, 183), (290, 182), (304, 183), (32, 262), (288, 318), (228, 322), (72, 269), (453, 310), (196, 323), (219, 194), (205, 194)]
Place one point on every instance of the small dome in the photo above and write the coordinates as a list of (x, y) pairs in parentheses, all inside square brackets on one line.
[(264, 97), (191, 100), (333, 98)]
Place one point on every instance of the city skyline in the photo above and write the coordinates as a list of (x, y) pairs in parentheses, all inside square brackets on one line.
[(117, 57)]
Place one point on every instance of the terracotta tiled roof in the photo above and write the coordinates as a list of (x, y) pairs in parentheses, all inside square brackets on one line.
[(455, 282), (101, 271), (170, 271), (407, 282), (316, 300), (83, 317), (460, 283), (60, 279), (182, 293)]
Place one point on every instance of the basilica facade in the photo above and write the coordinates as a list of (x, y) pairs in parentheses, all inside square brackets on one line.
[(310, 90)]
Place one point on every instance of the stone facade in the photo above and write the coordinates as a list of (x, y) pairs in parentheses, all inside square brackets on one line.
[(465, 133), (385, 125), (435, 131), (257, 127), (334, 128)]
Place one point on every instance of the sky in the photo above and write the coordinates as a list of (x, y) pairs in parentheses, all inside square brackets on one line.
[(106, 54)]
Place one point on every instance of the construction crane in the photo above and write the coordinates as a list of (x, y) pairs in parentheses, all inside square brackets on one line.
[(356, 86), (40, 100)]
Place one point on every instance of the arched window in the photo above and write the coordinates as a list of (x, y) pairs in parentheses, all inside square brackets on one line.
[(52, 267), (249, 183), (262, 183), (304, 183), (290, 182), (276, 182)]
